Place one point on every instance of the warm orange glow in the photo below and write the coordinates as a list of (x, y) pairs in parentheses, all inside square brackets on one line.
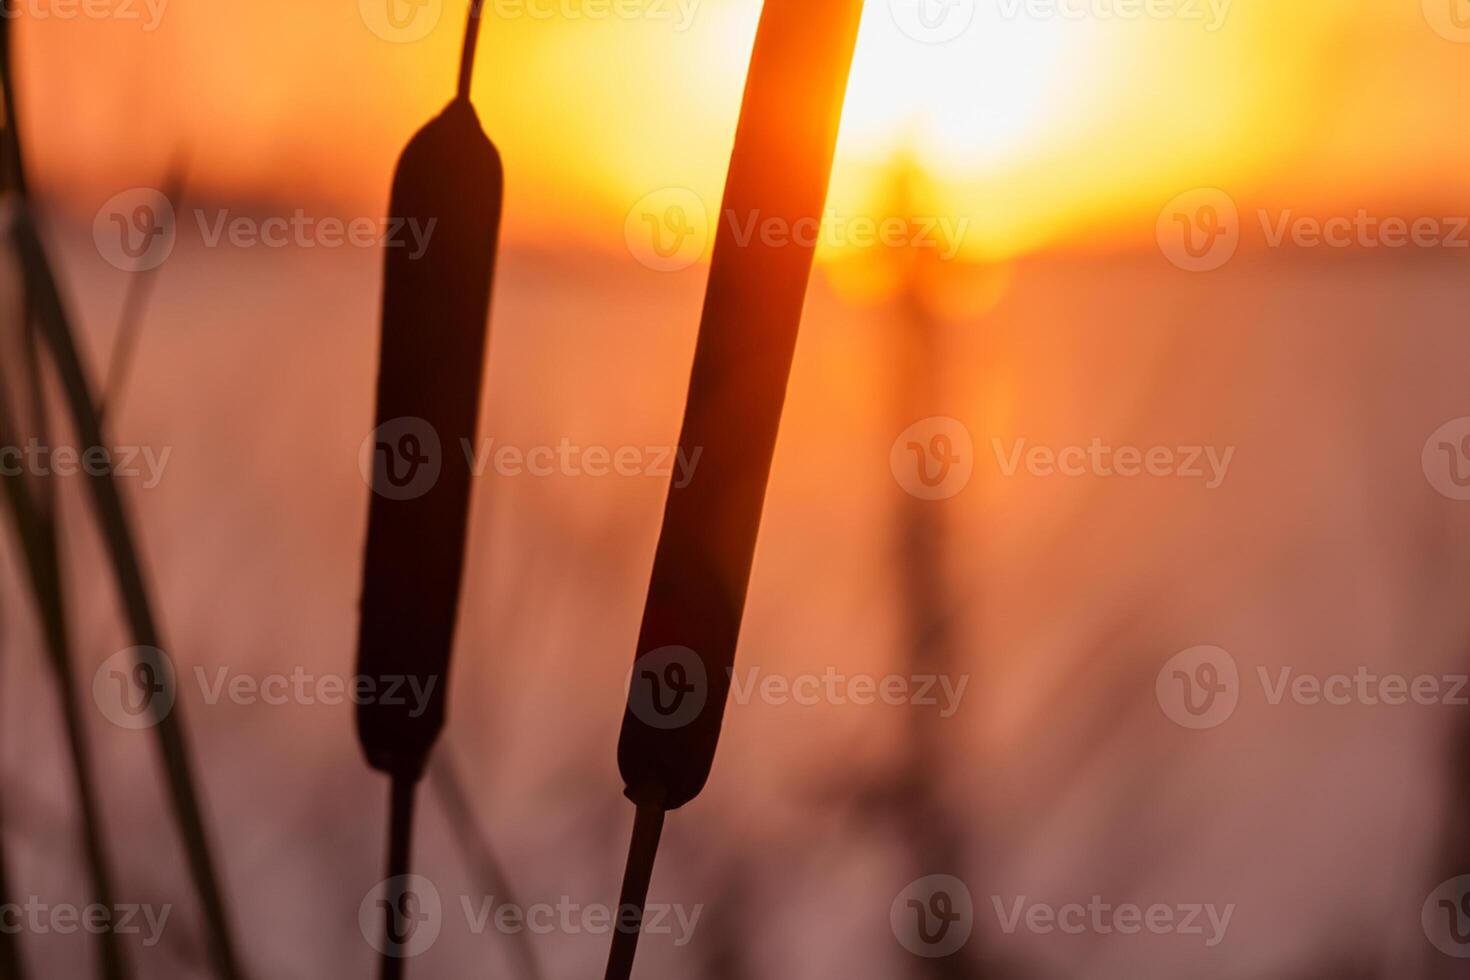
[(1039, 126)]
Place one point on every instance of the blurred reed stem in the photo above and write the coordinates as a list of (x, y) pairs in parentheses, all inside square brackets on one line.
[(11, 965), (43, 296), (40, 549), (485, 866), (35, 520)]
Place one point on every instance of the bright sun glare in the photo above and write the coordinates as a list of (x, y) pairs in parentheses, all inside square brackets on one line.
[(973, 102)]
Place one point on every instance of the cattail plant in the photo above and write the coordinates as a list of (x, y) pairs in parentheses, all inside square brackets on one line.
[(779, 170), (431, 367), (44, 304)]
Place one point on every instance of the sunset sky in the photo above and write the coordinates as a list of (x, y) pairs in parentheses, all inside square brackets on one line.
[(1045, 122)]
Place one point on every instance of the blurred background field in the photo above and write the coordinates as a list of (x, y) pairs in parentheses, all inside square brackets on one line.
[(1059, 321)]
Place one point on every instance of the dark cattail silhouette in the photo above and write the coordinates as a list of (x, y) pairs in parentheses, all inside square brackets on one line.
[(47, 310), (779, 171), (434, 329)]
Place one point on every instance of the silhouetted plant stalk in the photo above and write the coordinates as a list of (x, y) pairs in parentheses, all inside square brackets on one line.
[(43, 298), (37, 532), (927, 826), (485, 866), (12, 965), (431, 369), (780, 167), (135, 300)]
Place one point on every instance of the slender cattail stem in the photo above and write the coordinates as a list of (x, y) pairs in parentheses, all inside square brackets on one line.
[(471, 42), (37, 533), (127, 569), (400, 851), (135, 301), (12, 967), (117, 535), (487, 867), (648, 827)]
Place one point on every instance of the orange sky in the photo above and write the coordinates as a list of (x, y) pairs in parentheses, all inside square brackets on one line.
[(1043, 122)]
